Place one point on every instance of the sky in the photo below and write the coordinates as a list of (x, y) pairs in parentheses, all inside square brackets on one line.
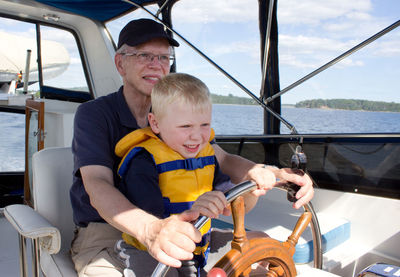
[(311, 33)]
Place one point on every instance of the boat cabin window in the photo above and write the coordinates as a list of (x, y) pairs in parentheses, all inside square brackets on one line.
[(213, 27), (358, 94), (62, 62), (358, 89), (17, 37), (59, 75), (18, 41), (12, 147), (12, 157), (61, 71), (226, 32)]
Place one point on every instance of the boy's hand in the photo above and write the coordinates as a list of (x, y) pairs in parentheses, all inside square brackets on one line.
[(264, 177), (211, 204)]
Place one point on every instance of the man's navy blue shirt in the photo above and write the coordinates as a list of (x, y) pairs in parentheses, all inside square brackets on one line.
[(99, 124)]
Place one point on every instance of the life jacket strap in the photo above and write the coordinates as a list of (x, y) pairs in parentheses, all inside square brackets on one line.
[(175, 207), (188, 164), (202, 250), (123, 168)]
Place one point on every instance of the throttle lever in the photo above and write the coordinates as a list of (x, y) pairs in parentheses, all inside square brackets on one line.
[(298, 161)]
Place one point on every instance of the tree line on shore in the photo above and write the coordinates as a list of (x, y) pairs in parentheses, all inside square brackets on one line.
[(350, 104), (342, 104), (230, 99)]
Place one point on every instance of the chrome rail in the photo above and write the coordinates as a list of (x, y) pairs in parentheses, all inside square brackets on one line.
[(315, 229), (266, 45), (23, 266)]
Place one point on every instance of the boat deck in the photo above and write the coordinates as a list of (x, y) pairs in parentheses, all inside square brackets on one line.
[(374, 231)]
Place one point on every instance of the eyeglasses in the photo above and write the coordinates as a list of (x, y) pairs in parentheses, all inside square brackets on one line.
[(145, 57)]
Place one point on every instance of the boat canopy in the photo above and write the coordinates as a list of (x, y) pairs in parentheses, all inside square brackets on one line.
[(98, 10)]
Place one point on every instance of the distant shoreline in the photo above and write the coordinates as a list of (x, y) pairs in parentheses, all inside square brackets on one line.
[(324, 104), (350, 104), (293, 106)]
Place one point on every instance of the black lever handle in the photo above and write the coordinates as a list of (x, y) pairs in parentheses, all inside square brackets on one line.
[(298, 161)]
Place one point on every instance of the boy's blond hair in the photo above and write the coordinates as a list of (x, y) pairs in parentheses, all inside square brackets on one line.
[(179, 88)]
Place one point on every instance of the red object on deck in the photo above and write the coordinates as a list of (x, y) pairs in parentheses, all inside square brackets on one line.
[(216, 272)]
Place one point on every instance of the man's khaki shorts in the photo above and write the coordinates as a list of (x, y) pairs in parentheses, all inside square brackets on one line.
[(93, 253)]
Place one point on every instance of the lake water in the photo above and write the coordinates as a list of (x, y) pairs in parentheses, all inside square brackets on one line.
[(228, 120), (241, 119)]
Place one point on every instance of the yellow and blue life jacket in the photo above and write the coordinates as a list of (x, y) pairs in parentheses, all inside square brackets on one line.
[(181, 180)]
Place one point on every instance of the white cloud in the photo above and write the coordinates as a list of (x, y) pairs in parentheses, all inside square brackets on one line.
[(30, 33), (327, 28), (75, 61), (250, 48), (308, 52), (291, 60), (8, 22), (290, 11), (357, 15), (316, 11), (349, 62), (206, 11), (312, 51), (388, 48), (308, 44), (49, 34), (61, 36)]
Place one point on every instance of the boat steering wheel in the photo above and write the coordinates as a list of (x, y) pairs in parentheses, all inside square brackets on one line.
[(244, 252)]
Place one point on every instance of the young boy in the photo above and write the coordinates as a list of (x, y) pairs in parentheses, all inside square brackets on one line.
[(170, 167)]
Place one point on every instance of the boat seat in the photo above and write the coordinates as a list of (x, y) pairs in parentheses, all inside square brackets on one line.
[(49, 224)]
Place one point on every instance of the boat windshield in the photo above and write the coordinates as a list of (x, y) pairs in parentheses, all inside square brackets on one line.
[(356, 95)]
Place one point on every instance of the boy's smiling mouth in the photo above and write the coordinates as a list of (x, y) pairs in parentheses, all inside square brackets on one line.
[(192, 147)]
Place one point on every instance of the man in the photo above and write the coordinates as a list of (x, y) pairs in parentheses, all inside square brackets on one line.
[(143, 57)]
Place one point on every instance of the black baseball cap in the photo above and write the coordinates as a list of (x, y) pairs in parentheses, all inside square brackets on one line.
[(142, 30)]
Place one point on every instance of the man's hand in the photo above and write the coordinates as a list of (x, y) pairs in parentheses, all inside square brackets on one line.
[(266, 178), (172, 239), (298, 177), (211, 204), (241, 169)]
